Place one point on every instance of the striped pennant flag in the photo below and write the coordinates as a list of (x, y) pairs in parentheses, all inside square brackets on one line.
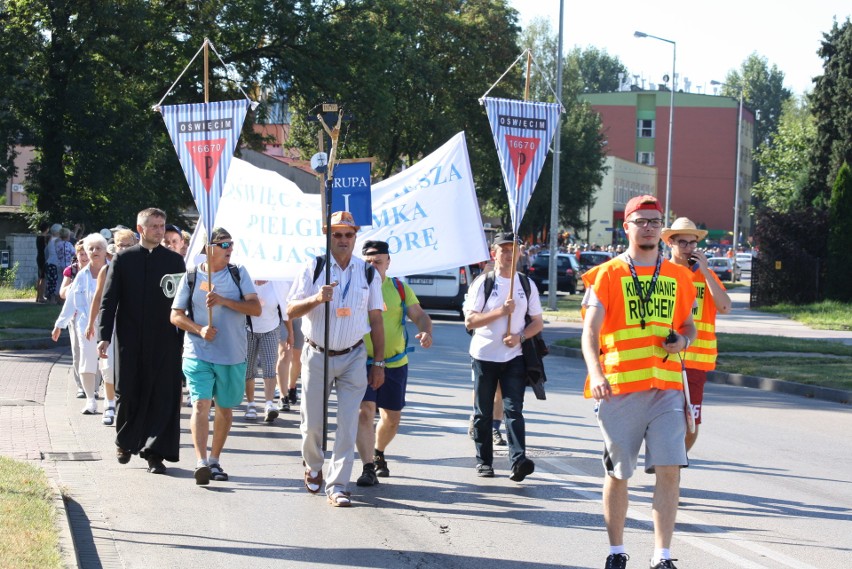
[(522, 132), (205, 136)]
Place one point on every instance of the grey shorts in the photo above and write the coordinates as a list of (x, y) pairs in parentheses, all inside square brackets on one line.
[(283, 334), (655, 417), (298, 337)]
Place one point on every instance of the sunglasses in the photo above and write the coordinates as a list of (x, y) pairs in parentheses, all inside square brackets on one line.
[(348, 235), (224, 244)]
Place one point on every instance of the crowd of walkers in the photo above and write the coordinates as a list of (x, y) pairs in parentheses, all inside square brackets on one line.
[(150, 351)]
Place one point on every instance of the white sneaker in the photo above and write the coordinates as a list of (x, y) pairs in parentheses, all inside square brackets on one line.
[(109, 416), (91, 407), (271, 412), (251, 413)]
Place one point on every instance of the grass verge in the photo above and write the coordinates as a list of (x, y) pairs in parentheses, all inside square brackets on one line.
[(822, 372), (834, 370), (39, 316), (27, 516), (10, 293), (568, 307), (825, 315)]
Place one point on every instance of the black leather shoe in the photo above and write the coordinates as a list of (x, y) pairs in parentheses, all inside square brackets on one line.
[(122, 455), (155, 464)]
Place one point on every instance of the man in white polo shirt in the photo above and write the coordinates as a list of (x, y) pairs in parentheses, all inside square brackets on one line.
[(497, 358), (353, 299)]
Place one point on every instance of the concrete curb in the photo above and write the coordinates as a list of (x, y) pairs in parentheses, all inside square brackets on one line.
[(63, 525), (781, 386), (37, 342), (764, 383)]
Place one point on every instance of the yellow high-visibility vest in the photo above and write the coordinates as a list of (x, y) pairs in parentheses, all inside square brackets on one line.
[(632, 357)]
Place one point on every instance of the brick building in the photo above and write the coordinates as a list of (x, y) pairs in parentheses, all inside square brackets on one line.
[(704, 151)]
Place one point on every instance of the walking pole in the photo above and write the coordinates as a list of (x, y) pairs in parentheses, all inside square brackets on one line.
[(327, 324)]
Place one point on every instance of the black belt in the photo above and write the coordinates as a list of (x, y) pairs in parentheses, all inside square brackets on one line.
[(333, 353)]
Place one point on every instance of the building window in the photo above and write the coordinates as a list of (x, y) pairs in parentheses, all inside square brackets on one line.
[(645, 128), (646, 158)]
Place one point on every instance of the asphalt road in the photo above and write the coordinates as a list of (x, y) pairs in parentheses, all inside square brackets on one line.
[(769, 485)]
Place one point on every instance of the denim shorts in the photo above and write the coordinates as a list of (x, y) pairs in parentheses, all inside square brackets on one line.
[(391, 395)]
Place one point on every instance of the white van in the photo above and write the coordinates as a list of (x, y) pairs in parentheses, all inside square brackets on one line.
[(744, 261), (441, 290)]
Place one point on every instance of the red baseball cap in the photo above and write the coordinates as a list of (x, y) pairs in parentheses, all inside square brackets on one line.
[(642, 202)]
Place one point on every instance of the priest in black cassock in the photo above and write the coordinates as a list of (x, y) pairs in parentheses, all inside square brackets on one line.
[(148, 351)]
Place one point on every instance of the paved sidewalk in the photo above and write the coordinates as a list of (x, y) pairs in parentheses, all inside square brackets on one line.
[(23, 386)]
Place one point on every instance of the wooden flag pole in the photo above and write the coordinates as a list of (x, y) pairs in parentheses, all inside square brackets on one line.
[(517, 178), (209, 229)]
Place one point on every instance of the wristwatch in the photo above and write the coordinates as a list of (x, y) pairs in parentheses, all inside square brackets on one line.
[(379, 363), (523, 338)]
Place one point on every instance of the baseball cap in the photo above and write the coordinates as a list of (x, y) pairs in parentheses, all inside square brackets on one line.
[(375, 248), (505, 238), (642, 202)]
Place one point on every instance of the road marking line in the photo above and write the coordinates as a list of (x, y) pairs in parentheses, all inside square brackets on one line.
[(696, 539)]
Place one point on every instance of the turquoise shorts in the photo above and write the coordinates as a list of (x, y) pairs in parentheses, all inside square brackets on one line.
[(224, 383)]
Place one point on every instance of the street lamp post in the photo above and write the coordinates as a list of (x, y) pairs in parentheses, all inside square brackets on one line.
[(736, 238), (557, 156), (671, 120)]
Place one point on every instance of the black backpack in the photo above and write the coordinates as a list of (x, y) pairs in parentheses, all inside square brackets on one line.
[(369, 270), (488, 286)]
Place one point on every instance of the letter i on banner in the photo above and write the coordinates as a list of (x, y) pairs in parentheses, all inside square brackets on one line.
[(205, 136), (522, 132)]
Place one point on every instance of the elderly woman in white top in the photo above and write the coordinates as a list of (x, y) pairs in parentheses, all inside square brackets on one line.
[(68, 279), (78, 302)]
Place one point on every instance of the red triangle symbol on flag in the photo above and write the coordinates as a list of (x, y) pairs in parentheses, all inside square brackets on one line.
[(522, 149), (206, 155)]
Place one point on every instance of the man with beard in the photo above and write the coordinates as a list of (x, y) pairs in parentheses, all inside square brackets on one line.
[(637, 320), (148, 376)]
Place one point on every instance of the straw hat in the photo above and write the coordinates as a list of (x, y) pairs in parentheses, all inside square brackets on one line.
[(683, 226)]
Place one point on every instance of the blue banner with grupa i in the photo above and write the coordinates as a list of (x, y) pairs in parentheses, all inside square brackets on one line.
[(350, 191)]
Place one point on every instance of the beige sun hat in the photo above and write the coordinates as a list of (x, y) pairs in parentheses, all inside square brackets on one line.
[(683, 226)]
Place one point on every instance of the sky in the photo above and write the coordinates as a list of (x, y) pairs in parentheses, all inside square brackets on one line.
[(712, 38)]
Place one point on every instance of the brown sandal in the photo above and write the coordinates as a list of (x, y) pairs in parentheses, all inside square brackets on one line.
[(313, 481), (340, 499)]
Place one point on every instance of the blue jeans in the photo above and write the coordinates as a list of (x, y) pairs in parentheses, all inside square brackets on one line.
[(510, 376)]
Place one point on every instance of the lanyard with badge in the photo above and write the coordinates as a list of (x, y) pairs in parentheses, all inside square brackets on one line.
[(344, 311), (644, 299)]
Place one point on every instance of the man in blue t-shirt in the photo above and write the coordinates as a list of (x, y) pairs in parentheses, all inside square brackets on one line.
[(214, 354)]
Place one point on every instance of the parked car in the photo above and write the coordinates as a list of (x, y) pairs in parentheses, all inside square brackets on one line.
[(567, 272), (744, 261), (589, 259), (725, 268), (442, 290)]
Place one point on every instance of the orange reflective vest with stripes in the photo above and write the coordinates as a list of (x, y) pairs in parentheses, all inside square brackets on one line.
[(632, 357), (702, 352)]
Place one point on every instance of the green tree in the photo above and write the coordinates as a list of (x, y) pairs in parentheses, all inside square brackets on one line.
[(763, 92), (784, 160), (838, 268), (415, 72), (831, 104)]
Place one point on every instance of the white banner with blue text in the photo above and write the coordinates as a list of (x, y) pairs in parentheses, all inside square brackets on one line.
[(427, 213)]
